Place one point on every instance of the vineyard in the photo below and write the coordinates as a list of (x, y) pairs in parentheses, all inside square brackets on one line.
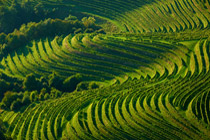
[(135, 69)]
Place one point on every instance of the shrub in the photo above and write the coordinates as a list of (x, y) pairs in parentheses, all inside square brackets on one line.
[(26, 100), (44, 83), (2, 38), (3, 106), (9, 97), (46, 96), (55, 81), (4, 86), (17, 104), (88, 22), (2, 130), (82, 86), (42, 93), (71, 82), (55, 93), (93, 85), (31, 83), (33, 96)]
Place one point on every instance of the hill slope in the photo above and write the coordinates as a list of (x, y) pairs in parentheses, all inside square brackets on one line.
[(152, 71)]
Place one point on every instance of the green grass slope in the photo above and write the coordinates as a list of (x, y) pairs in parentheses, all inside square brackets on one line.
[(98, 57)]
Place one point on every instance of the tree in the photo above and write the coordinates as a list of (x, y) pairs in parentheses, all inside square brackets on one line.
[(82, 86), (39, 10), (30, 83), (42, 93), (46, 96), (70, 17), (71, 82), (33, 96), (4, 86), (55, 93), (93, 85), (26, 99), (16, 104), (55, 81), (3, 131), (2, 38), (88, 22), (9, 97)]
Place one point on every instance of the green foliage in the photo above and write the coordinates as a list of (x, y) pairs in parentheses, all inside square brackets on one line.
[(4, 86), (2, 38), (3, 131), (55, 81), (93, 85), (70, 83), (16, 14), (29, 30), (87, 85), (44, 83), (54, 93), (16, 105), (34, 96), (154, 89), (70, 17), (82, 86), (31, 83), (89, 22), (42, 94), (26, 99), (46, 96), (9, 97)]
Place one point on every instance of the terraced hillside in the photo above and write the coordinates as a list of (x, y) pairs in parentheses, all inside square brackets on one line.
[(153, 69), (150, 15), (99, 57)]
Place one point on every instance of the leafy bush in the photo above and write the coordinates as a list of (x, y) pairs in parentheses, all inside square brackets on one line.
[(31, 83), (34, 96), (3, 131), (9, 97), (46, 96), (26, 99), (82, 86), (17, 104), (4, 86), (93, 85), (42, 94), (55, 81), (70, 83), (55, 93)]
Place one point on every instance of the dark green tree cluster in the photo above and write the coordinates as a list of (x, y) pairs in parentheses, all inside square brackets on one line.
[(33, 89), (3, 129), (12, 100), (9, 84), (18, 13), (31, 83), (86, 86)]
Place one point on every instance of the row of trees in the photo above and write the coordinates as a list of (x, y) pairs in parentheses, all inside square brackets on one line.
[(17, 94), (16, 101)]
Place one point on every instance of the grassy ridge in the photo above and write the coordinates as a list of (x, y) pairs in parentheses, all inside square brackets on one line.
[(121, 111), (100, 57)]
